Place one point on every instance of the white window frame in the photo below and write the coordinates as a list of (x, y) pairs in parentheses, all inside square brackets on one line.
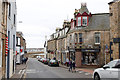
[(79, 21), (84, 21), (97, 38), (18, 43)]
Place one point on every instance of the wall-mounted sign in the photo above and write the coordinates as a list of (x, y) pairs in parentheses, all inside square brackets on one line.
[(90, 50)]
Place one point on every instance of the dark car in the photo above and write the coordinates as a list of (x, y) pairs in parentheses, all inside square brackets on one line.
[(53, 63), (46, 61)]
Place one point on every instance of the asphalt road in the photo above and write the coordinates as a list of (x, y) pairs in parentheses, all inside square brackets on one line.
[(36, 69)]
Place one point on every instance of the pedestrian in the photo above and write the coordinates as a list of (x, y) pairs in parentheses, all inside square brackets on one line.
[(26, 59), (70, 65), (67, 62), (73, 64)]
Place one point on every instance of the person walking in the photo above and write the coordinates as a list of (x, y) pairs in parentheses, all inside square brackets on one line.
[(70, 64), (73, 64), (67, 62)]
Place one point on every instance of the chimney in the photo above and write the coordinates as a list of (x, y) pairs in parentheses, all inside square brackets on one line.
[(83, 4), (76, 10)]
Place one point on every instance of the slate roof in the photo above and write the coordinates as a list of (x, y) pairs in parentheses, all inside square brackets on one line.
[(100, 21)]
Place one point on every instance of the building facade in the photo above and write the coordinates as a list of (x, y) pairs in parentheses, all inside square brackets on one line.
[(89, 38), (7, 37), (114, 8), (87, 41), (20, 47)]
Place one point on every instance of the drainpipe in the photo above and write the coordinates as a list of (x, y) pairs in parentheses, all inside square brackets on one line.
[(119, 50), (6, 11)]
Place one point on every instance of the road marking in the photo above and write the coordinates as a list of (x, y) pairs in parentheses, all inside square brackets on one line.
[(87, 74), (31, 71), (77, 70), (19, 71), (23, 71), (80, 72)]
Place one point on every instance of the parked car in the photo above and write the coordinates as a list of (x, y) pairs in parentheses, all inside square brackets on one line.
[(53, 63), (108, 71), (41, 60), (46, 61)]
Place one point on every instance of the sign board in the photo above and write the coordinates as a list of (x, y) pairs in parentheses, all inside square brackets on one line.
[(90, 50)]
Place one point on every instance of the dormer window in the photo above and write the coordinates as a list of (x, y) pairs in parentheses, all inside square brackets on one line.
[(84, 21), (79, 21)]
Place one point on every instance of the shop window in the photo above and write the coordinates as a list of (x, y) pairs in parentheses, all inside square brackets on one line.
[(80, 38), (89, 58), (84, 21), (97, 38), (79, 21)]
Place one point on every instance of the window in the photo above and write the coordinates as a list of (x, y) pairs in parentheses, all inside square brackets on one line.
[(70, 39), (18, 41), (14, 19), (79, 21), (76, 38), (80, 37), (84, 22), (112, 64), (9, 10), (97, 38), (89, 58), (13, 42)]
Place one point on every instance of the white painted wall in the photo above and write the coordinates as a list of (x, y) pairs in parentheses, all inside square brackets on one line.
[(12, 28)]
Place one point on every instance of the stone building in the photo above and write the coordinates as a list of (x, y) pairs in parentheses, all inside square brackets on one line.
[(57, 43), (89, 38), (20, 47), (93, 39), (114, 8)]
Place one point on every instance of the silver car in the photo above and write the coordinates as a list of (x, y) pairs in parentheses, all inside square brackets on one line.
[(110, 71)]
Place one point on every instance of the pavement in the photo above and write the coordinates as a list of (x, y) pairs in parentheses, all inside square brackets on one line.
[(20, 70), (88, 70)]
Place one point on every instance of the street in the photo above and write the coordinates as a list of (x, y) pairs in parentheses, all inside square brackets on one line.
[(36, 69)]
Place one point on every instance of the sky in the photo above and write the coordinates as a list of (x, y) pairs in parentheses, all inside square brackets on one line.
[(41, 17)]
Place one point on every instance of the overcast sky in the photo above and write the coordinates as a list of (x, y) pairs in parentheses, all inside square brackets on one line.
[(41, 17)]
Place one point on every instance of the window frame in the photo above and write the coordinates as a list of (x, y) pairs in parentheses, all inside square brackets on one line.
[(84, 19), (97, 38), (79, 21), (80, 38)]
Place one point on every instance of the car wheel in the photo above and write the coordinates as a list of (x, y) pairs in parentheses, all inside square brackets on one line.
[(96, 77)]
